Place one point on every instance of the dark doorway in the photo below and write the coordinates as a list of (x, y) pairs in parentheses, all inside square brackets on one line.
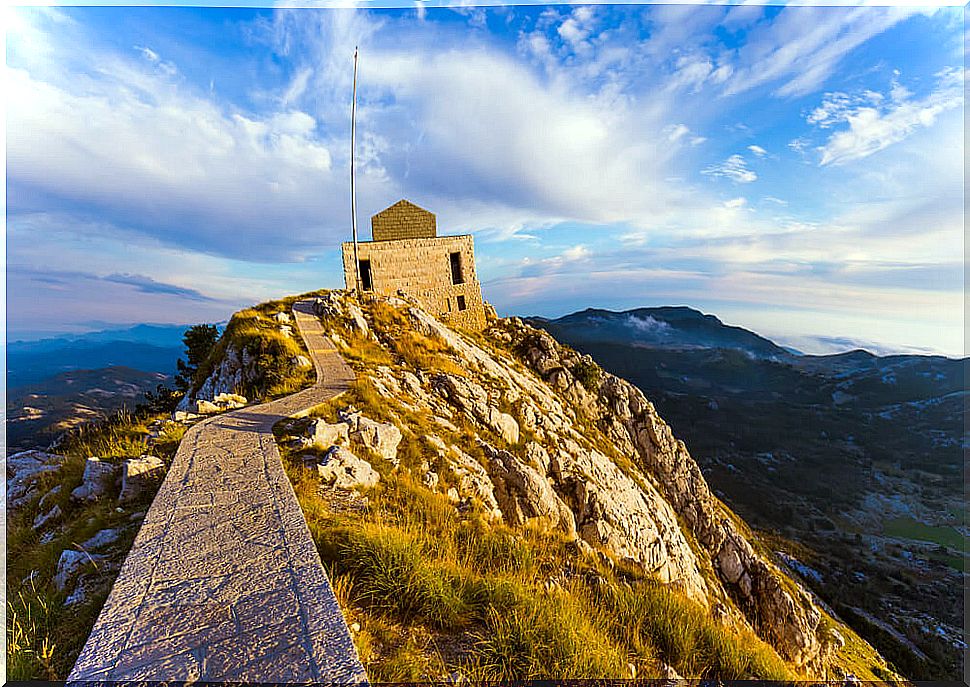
[(456, 275), (366, 284)]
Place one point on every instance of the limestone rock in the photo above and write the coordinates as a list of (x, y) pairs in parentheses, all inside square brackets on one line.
[(321, 433), (524, 496), (282, 317), (430, 480), (43, 519), (237, 370), (48, 497), (229, 401), (672, 482), (302, 362), (357, 320), (22, 469), (203, 407), (104, 538), (69, 565), (504, 425), (139, 475), (381, 437), (342, 469), (471, 398), (473, 482), (98, 480)]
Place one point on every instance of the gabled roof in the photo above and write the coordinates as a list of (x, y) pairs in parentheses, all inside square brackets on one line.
[(403, 220)]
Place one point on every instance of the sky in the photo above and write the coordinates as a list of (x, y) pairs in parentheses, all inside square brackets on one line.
[(794, 170)]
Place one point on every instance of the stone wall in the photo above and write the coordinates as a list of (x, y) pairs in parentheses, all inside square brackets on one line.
[(403, 220), (421, 268)]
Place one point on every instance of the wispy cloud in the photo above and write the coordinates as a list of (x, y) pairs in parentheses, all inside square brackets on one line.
[(876, 122), (734, 168), (149, 285)]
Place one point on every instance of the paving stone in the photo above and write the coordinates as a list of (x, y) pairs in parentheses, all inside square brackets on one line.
[(223, 580)]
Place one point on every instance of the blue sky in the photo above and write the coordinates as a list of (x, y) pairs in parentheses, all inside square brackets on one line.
[(794, 170)]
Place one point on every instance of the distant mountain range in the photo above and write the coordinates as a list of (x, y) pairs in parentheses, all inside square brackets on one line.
[(857, 457), (150, 348)]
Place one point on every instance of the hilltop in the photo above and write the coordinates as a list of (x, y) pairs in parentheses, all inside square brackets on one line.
[(495, 503), (488, 505)]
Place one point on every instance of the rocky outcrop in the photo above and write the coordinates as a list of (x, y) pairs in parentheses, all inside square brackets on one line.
[(524, 496), (140, 476), (382, 438), (98, 480), (235, 371), (323, 434), (23, 469), (532, 433), (473, 400), (779, 610), (342, 469)]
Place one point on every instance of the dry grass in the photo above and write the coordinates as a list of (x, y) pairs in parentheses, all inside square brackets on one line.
[(44, 637)]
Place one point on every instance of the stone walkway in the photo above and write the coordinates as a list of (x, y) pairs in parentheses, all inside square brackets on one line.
[(223, 581)]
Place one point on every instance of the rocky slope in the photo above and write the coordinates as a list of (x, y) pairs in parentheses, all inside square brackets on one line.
[(537, 436), (853, 462)]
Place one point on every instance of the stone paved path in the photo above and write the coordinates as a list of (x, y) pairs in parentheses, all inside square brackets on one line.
[(223, 581)]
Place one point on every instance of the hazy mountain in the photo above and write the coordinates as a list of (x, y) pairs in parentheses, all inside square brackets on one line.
[(151, 348)]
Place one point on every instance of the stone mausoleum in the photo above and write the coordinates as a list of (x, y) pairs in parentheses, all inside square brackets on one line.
[(407, 256)]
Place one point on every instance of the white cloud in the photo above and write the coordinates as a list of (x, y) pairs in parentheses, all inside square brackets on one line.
[(875, 124), (734, 168), (758, 150), (147, 53), (576, 253), (676, 132), (736, 203), (786, 51)]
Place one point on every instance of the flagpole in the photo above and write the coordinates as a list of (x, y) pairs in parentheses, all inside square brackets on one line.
[(353, 189)]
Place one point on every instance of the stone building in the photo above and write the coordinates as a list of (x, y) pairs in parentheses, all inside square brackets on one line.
[(409, 257)]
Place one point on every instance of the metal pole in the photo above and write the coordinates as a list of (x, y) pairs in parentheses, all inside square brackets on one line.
[(353, 188)]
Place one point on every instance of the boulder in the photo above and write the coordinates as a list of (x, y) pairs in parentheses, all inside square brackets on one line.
[(342, 469), (69, 565), (228, 401), (321, 433), (524, 496), (380, 437), (504, 425), (301, 361), (99, 477), (102, 539), (22, 468), (42, 519), (282, 317), (729, 562), (357, 321), (203, 407), (139, 475)]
